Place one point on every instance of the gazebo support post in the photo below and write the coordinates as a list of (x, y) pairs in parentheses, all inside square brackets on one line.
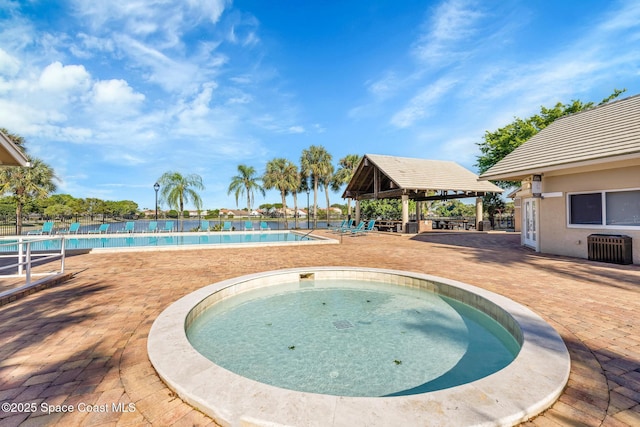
[(478, 212), (405, 212), (357, 220)]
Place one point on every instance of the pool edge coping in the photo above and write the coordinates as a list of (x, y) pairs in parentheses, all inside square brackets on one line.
[(506, 397), (316, 240)]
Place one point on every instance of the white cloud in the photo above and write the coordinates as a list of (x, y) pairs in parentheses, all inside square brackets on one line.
[(58, 78), (75, 134), (178, 75), (628, 16), (418, 107), (161, 19), (126, 158), (240, 98), (116, 93), (247, 40), (149, 36), (205, 121), (448, 34), (244, 79), (251, 39), (21, 118), (453, 21), (318, 128), (19, 35), (199, 107), (9, 65), (210, 8), (296, 129), (90, 45), (242, 30), (462, 149)]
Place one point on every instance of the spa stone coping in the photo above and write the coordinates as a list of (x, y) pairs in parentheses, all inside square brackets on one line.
[(518, 392)]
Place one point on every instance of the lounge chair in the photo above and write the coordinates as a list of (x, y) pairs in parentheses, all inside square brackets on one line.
[(153, 227), (47, 228), (264, 226), (100, 230), (204, 225), (358, 228), (364, 230), (347, 228), (342, 225), (227, 226), (129, 227), (248, 225), (168, 227), (74, 227)]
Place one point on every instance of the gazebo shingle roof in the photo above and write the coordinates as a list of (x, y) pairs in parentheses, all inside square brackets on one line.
[(402, 175)]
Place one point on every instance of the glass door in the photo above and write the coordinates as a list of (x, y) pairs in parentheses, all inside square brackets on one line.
[(530, 223)]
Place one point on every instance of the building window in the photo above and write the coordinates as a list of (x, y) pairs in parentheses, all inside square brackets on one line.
[(586, 208), (606, 209), (623, 208)]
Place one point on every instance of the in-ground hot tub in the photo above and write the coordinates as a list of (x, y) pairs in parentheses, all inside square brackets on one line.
[(515, 390)]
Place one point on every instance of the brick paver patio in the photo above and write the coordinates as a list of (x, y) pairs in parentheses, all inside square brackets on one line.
[(83, 342)]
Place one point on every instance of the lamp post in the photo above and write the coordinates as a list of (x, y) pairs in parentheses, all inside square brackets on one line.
[(156, 187), (308, 213)]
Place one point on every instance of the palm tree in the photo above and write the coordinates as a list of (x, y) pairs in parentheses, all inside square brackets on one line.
[(178, 190), (26, 184), (326, 181), (316, 164), (299, 188), (282, 175), (245, 182), (304, 187), (346, 168)]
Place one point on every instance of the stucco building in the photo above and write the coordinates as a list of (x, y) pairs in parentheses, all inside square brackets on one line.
[(580, 176)]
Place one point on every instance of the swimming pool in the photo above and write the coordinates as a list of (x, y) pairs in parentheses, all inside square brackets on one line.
[(159, 241)]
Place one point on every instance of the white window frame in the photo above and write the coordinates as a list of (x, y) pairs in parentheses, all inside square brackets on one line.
[(603, 226)]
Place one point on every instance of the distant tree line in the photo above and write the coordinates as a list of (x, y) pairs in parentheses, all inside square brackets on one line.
[(65, 206)]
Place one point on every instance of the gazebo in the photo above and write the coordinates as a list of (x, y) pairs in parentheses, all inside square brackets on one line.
[(390, 177)]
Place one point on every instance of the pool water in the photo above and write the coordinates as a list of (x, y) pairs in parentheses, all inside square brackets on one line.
[(352, 338), (81, 242)]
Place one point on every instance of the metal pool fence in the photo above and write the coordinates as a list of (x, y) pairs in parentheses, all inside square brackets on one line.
[(8, 224)]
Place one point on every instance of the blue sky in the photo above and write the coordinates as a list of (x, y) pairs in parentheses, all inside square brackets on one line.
[(113, 93)]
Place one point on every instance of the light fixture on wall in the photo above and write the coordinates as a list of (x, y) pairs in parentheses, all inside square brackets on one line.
[(536, 186)]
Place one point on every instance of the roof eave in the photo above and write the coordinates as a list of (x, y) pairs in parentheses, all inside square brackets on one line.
[(18, 158), (524, 173)]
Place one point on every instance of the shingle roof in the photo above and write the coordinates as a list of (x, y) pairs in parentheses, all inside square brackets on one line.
[(605, 132), (426, 174), (10, 154), (418, 174)]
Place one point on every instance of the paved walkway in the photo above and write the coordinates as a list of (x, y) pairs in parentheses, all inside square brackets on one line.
[(83, 343)]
